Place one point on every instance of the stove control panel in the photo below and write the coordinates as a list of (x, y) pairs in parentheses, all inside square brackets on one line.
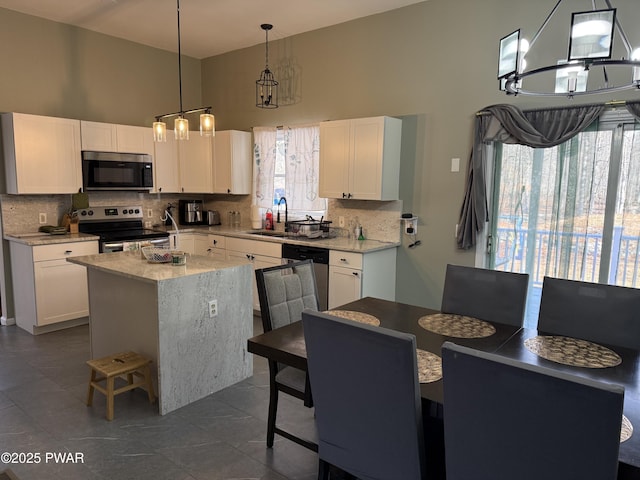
[(110, 213)]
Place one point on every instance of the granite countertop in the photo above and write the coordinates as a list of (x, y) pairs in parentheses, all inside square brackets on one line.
[(132, 265), (339, 243), (35, 239)]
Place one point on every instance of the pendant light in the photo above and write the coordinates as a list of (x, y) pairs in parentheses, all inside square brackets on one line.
[(266, 85), (181, 124)]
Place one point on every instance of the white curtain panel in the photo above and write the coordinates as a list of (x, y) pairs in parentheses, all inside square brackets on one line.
[(302, 157), (264, 160)]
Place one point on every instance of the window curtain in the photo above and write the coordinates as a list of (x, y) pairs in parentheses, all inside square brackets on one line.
[(264, 163), (508, 124), (302, 157), (299, 146)]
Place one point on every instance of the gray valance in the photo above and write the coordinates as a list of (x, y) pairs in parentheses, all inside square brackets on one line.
[(508, 124)]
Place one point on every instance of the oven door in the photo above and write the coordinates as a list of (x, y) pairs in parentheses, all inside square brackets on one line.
[(132, 245)]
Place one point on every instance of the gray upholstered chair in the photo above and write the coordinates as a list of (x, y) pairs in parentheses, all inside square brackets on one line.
[(284, 292), (504, 419), (367, 399), (591, 311), (490, 295)]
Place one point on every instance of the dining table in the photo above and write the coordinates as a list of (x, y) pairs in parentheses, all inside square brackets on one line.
[(286, 345)]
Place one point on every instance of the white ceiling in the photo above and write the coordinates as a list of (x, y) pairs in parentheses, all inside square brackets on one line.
[(208, 27)]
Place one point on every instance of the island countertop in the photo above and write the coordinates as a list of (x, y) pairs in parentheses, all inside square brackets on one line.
[(132, 265)]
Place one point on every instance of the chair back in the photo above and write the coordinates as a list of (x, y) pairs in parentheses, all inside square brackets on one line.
[(284, 292), (504, 419), (490, 295), (367, 398), (591, 311)]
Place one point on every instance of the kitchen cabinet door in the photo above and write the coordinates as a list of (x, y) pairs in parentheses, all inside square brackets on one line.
[(98, 136), (360, 158), (187, 242), (335, 145), (232, 162), (133, 139), (345, 285), (61, 291), (260, 254), (166, 167), (195, 158), (41, 154)]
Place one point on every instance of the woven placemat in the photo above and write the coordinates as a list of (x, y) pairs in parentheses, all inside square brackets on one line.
[(459, 326), (429, 366), (627, 429), (572, 351), (355, 316)]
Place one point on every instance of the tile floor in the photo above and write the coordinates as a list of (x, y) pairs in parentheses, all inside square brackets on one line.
[(43, 386)]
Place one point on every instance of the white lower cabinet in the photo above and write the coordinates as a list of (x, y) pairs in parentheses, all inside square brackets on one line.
[(48, 289), (211, 246), (184, 242), (356, 275), (260, 254)]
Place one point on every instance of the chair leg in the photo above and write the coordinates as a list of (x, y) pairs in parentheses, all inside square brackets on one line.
[(271, 420), (323, 470), (110, 382), (92, 378)]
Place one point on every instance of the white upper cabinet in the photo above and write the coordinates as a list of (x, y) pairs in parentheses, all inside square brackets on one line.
[(109, 137), (184, 166), (42, 154), (232, 171), (360, 158)]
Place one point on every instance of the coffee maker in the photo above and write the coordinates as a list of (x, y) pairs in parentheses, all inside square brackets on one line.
[(190, 212)]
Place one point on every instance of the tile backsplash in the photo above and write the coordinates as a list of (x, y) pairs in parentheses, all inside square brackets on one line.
[(20, 213)]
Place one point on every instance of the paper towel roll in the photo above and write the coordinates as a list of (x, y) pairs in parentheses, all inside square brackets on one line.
[(256, 217)]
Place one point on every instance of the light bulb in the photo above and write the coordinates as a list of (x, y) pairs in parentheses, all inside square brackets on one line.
[(159, 131), (181, 128), (207, 125)]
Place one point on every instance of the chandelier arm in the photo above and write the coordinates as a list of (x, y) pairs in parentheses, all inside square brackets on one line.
[(623, 35), (544, 24)]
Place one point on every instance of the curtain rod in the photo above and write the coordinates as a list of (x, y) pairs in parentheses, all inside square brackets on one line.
[(612, 103)]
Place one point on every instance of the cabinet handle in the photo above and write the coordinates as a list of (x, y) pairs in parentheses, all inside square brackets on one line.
[(356, 274), (344, 260), (228, 190), (344, 195), (209, 249), (215, 242), (68, 252), (349, 196)]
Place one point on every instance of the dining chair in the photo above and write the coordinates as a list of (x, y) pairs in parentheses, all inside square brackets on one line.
[(596, 312), (367, 399), (504, 419), (490, 295), (284, 292)]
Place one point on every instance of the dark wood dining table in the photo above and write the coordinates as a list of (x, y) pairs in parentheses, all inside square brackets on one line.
[(286, 345)]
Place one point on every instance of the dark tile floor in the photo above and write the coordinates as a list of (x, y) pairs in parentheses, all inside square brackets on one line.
[(43, 386)]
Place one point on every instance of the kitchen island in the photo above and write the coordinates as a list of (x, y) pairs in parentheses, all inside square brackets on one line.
[(162, 311)]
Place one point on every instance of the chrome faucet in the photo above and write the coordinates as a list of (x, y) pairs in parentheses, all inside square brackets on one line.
[(286, 212)]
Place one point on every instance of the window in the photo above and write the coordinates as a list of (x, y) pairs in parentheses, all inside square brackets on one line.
[(571, 211), (286, 162)]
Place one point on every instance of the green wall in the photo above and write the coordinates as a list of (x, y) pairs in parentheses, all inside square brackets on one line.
[(433, 64)]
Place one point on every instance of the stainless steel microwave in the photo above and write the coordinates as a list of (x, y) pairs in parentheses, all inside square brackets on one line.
[(116, 171)]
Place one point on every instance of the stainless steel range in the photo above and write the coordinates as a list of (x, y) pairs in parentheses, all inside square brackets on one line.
[(119, 227)]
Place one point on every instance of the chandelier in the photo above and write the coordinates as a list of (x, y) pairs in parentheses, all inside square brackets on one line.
[(266, 85), (588, 67), (181, 124)]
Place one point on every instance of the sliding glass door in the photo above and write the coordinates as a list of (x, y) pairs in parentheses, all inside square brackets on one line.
[(571, 211)]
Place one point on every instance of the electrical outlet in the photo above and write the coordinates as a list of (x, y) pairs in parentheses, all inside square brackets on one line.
[(42, 218), (341, 221), (149, 213), (213, 308)]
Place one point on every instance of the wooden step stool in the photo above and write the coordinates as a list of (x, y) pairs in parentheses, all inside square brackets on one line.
[(126, 363)]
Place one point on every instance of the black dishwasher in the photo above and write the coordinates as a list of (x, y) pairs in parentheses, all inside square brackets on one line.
[(320, 257)]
